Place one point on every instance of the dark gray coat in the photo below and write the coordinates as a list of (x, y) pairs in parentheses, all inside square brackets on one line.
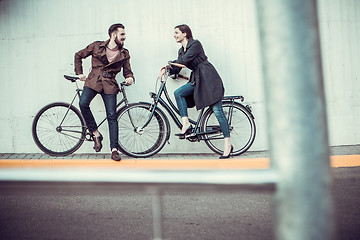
[(209, 88)]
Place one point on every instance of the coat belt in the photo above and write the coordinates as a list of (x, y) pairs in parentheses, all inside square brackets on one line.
[(195, 73), (106, 74)]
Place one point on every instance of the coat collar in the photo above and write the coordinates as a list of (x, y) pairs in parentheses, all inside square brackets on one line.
[(103, 53), (189, 44), (105, 43)]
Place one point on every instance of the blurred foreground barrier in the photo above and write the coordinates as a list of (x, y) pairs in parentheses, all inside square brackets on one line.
[(294, 92)]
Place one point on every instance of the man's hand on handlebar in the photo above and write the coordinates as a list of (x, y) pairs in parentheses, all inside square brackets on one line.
[(82, 77), (129, 80)]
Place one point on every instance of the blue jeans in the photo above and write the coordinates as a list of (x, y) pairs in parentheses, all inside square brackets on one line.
[(180, 94), (220, 115), (187, 90), (87, 96)]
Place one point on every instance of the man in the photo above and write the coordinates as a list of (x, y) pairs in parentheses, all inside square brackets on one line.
[(108, 58)]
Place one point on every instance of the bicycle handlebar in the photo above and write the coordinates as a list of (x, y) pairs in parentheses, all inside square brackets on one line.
[(177, 64), (124, 84), (180, 76), (74, 78)]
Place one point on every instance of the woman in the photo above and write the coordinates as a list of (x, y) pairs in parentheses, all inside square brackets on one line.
[(205, 87)]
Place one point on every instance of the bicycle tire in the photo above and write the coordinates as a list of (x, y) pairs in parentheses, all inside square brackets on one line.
[(56, 134), (242, 129), (151, 139)]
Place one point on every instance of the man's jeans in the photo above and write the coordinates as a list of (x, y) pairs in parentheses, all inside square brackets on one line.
[(187, 90), (87, 96)]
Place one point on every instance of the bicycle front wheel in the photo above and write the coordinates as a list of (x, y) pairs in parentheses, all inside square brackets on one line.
[(59, 129), (136, 141), (241, 124)]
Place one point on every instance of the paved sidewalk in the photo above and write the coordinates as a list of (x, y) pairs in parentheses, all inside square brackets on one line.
[(341, 156), (335, 150), (84, 156)]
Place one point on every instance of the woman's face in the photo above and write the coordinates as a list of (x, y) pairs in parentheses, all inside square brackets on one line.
[(179, 36)]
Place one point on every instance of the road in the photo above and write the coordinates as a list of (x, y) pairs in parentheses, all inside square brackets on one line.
[(113, 211)]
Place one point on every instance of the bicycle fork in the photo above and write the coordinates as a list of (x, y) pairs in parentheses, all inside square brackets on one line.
[(152, 108)]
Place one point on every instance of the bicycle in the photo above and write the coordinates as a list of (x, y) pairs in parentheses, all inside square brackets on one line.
[(59, 128), (144, 128)]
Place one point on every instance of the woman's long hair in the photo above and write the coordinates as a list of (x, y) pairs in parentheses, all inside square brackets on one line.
[(185, 29)]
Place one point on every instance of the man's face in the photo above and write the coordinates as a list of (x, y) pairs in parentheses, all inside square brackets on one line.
[(120, 37)]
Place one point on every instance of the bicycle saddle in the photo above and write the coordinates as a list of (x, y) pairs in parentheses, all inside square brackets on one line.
[(71, 78)]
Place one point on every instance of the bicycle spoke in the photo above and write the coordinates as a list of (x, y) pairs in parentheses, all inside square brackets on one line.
[(242, 129), (53, 138), (138, 142)]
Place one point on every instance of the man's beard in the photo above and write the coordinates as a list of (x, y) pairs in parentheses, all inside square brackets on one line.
[(120, 45)]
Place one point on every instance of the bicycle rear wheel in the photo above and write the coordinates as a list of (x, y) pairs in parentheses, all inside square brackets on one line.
[(241, 124), (137, 142), (59, 129)]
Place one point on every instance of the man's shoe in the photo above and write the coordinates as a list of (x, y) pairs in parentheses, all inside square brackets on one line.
[(115, 156), (97, 143)]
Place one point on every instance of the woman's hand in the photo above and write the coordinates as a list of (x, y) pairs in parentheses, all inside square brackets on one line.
[(162, 73)]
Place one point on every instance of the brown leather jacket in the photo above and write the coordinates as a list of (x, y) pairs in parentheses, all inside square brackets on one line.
[(102, 75)]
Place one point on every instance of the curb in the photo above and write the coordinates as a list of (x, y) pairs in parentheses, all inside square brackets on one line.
[(336, 161)]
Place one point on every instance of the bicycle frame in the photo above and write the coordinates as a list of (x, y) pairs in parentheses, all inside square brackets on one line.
[(77, 94), (174, 111), (147, 127), (123, 100)]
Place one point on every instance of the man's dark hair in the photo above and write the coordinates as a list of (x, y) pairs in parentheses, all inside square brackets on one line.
[(114, 28), (185, 29)]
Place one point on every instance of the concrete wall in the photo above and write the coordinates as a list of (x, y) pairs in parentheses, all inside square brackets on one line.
[(39, 39), (340, 39)]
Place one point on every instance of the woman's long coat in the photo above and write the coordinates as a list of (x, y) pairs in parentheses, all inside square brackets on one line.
[(209, 87)]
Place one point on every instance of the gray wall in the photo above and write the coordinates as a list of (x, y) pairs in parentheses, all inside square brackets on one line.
[(39, 39)]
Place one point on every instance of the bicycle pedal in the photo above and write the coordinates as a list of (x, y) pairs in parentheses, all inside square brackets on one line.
[(190, 135)]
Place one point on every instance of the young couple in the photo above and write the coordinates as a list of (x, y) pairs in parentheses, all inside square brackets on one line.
[(204, 89)]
